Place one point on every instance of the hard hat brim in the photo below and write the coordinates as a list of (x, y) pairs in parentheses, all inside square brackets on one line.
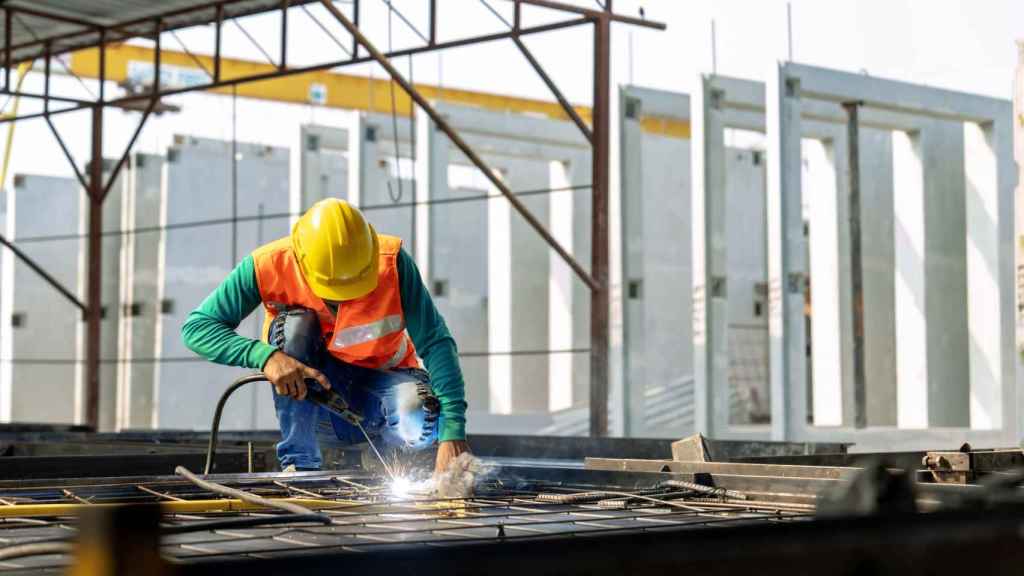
[(340, 290)]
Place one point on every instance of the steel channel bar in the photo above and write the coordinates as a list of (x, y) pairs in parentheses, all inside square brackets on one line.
[(461, 144), (112, 177), (314, 68), (46, 80), (550, 4), (7, 48), (780, 470), (44, 96), (64, 148), (569, 110), (94, 302), (599, 298), (433, 22), (42, 274), (284, 35), (358, 60), (50, 16)]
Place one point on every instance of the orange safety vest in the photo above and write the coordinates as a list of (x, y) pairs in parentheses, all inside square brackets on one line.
[(368, 331)]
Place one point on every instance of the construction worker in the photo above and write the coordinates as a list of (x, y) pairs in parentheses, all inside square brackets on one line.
[(345, 308)]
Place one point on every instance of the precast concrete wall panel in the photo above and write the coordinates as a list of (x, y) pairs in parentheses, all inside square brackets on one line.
[(531, 302), (198, 255), (656, 255), (40, 378), (110, 300), (140, 304), (877, 252), (749, 400), (387, 191), (324, 164), (953, 254)]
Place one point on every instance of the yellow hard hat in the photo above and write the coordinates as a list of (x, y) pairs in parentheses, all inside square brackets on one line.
[(337, 250)]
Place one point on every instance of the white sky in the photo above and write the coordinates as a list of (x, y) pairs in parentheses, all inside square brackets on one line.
[(959, 44)]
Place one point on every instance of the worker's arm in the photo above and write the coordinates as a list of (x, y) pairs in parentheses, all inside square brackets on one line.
[(435, 345), (209, 330)]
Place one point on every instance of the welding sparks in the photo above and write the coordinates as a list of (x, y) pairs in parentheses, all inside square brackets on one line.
[(400, 487)]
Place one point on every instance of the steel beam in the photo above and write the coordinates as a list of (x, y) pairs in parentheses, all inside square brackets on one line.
[(43, 273), (731, 468), (599, 303), (94, 290), (569, 110), (457, 140)]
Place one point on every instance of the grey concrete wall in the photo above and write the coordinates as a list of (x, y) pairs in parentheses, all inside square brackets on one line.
[(324, 164), (877, 250), (110, 298), (141, 305), (40, 365), (656, 262), (747, 287), (388, 187), (945, 262), (196, 260)]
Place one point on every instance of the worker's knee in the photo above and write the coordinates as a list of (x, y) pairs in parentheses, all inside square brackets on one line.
[(296, 332)]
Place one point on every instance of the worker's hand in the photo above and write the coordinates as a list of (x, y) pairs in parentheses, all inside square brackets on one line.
[(448, 451), (288, 375)]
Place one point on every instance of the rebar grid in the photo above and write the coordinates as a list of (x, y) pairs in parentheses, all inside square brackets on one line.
[(374, 518)]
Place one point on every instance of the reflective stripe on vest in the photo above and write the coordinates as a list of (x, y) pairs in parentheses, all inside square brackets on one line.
[(399, 355), (367, 332)]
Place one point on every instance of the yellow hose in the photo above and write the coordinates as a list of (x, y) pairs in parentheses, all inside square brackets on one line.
[(22, 72)]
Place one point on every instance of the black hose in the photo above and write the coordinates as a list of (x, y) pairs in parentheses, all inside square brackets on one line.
[(211, 450)]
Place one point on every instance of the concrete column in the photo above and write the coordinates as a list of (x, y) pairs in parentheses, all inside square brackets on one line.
[(323, 164), (946, 275), (747, 385), (560, 291), (983, 271), (141, 302), (499, 309), (432, 155), (635, 344), (823, 251), (38, 327), (710, 261), (878, 261), (911, 328), (786, 258), (357, 153), (110, 283), (454, 260), (529, 261)]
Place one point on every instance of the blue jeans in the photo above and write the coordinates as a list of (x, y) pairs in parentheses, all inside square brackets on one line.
[(398, 408)]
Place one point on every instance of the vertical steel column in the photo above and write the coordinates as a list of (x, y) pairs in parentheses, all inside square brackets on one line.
[(216, 42), (856, 263), (599, 229), (284, 35), (94, 304), (7, 49)]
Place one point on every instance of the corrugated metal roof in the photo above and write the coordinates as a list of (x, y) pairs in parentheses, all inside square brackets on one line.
[(74, 24)]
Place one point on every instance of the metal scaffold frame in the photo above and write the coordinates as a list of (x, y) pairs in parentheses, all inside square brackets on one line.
[(88, 33)]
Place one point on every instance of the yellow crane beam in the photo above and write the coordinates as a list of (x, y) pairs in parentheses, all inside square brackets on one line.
[(330, 89)]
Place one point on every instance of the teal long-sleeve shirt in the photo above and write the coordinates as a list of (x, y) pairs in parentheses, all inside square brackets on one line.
[(209, 331)]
